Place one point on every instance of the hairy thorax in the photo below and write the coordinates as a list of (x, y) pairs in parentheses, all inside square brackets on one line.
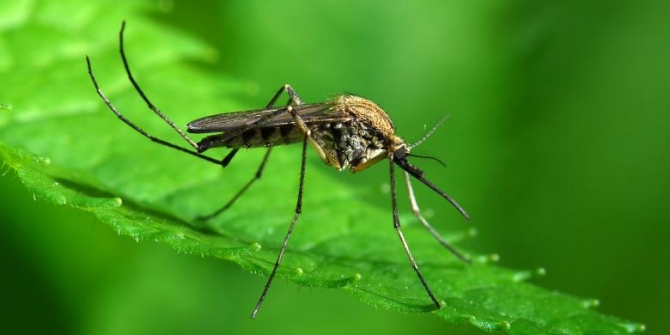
[(364, 138)]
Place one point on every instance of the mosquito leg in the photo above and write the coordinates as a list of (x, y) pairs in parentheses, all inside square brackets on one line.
[(292, 95), (239, 193), (428, 226), (293, 99), (151, 106), (144, 96), (298, 210), (137, 128), (396, 224), (229, 157)]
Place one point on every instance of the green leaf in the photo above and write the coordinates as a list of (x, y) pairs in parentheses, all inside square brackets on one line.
[(69, 149)]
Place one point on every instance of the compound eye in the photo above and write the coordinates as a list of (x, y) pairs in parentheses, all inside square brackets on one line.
[(400, 153)]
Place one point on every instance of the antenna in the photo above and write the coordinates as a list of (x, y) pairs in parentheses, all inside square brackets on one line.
[(428, 157), (430, 132)]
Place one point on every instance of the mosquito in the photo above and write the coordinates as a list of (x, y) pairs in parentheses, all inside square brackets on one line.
[(347, 132)]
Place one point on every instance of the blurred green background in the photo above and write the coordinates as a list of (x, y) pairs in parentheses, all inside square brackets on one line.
[(556, 144)]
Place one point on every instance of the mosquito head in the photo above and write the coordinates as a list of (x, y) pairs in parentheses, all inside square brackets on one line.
[(399, 157)]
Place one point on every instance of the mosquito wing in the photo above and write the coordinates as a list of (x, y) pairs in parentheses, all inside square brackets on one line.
[(264, 118)]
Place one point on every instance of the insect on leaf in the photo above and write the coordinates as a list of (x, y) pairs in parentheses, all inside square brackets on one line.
[(67, 148)]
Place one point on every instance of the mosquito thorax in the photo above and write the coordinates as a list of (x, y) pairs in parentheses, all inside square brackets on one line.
[(365, 135), (365, 111)]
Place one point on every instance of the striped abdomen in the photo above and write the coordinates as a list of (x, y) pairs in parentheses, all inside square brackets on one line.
[(255, 137)]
